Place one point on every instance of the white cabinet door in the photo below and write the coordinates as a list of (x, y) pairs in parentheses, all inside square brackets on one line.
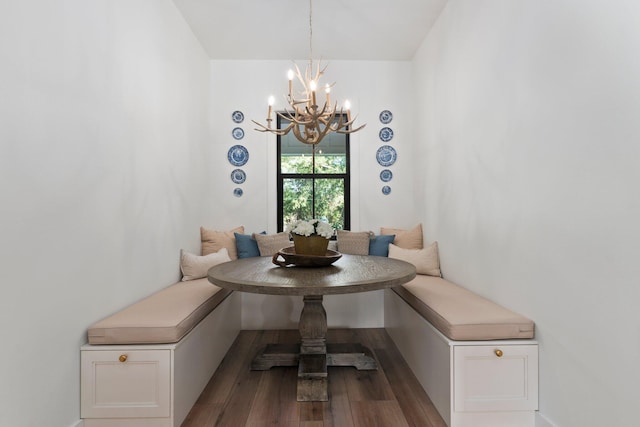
[(126, 384), (495, 378)]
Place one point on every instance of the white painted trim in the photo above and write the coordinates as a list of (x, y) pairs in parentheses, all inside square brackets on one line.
[(541, 421)]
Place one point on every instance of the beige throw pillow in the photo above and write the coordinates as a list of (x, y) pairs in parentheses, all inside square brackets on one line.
[(407, 239), (270, 244), (425, 260), (212, 241), (353, 242), (196, 267)]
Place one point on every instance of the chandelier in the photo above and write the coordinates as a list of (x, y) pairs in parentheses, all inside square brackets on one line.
[(308, 121)]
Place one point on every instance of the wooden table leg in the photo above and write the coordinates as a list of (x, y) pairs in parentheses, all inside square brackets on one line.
[(312, 367), (313, 326)]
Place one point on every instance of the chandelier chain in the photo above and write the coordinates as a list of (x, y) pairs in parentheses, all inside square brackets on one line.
[(310, 34)]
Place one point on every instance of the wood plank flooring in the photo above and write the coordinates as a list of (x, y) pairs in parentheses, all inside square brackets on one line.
[(237, 396)]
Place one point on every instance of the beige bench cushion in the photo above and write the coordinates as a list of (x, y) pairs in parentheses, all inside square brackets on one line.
[(164, 317), (461, 314)]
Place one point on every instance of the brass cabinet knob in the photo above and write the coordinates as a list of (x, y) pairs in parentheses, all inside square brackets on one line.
[(122, 358), (498, 352)]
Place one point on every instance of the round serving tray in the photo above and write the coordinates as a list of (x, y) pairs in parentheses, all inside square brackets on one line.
[(290, 257)]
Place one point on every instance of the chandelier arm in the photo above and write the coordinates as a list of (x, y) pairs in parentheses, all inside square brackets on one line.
[(264, 128), (298, 102), (273, 131), (344, 132), (300, 78), (320, 72), (327, 128), (317, 74), (352, 121), (329, 120), (286, 115), (287, 129), (293, 117), (318, 115), (323, 133), (300, 119)]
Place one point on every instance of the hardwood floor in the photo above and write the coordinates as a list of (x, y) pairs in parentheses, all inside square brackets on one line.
[(237, 396)]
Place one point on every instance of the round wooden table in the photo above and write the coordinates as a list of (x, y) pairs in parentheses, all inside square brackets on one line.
[(350, 274)]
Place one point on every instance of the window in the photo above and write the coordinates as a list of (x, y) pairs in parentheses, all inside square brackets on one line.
[(313, 181)]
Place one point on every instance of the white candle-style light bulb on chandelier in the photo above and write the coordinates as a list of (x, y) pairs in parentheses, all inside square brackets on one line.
[(308, 121)]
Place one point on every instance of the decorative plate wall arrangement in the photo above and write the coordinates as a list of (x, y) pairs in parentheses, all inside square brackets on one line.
[(238, 155), (386, 134), (237, 133), (237, 117), (238, 176), (386, 155), (386, 175), (386, 117)]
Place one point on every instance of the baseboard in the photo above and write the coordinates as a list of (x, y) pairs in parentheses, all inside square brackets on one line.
[(542, 421)]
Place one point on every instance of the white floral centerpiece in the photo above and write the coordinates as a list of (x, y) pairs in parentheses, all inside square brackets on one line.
[(310, 237), (313, 227)]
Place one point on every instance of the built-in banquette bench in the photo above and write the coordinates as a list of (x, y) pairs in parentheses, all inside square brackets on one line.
[(476, 360), (146, 365)]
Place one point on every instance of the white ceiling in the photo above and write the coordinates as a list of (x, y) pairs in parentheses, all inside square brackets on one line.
[(342, 29)]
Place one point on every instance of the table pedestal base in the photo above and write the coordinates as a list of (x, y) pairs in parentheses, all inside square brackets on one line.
[(313, 355), (312, 368)]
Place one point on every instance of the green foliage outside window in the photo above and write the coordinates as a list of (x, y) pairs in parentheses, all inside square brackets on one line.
[(299, 164), (298, 192)]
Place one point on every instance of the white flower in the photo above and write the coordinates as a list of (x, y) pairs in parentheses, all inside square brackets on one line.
[(312, 227), (324, 229)]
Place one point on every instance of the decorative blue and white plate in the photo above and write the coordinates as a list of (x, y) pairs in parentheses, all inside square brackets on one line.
[(386, 155), (238, 155), (237, 117), (386, 175), (386, 190), (237, 133), (238, 192), (238, 176), (386, 117), (386, 134)]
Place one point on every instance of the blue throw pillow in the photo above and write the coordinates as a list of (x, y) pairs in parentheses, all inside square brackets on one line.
[(246, 245), (379, 245)]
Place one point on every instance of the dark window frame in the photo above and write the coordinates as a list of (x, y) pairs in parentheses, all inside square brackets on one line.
[(346, 177)]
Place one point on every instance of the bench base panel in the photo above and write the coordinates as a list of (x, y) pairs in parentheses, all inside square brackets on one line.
[(467, 382), (156, 384)]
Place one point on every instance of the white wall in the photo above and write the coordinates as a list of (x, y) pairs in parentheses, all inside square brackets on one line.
[(530, 183), (371, 87), (103, 164)]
